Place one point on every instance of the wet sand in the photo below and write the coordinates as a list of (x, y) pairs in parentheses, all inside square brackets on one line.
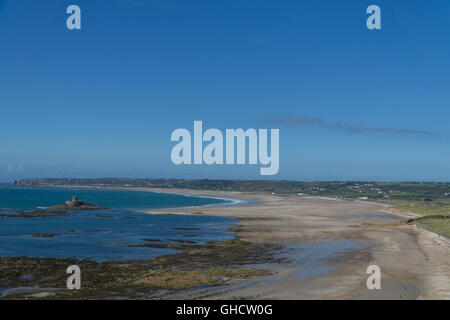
[(327, 249)]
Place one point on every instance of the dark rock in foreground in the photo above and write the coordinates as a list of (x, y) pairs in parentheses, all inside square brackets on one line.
[(45, 235), (212, 265), (35, 214)]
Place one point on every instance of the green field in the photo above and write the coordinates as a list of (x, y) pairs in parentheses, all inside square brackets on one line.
[(440, 224), (435, 214), (420, 207)]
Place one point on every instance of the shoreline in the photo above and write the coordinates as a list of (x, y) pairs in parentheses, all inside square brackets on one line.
[(191, 265), (414, 263), (421, 270)]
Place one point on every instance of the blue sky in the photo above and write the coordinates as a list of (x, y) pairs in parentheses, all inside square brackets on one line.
[(350, 103)]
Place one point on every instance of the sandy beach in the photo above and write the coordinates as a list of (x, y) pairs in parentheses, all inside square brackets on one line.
[(326, 251)]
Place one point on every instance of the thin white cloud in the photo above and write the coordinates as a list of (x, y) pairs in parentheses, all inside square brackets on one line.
[(302, 121), (13, 168)]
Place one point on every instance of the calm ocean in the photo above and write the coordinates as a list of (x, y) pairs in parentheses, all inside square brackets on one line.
[(106, 234)]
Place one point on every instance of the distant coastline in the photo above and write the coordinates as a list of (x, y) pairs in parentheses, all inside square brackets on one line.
[(344, 189)]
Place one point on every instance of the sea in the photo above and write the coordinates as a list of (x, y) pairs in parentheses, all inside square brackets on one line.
[(115, 233)]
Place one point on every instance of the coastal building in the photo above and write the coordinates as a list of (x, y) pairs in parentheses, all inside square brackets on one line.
[(74, 202)]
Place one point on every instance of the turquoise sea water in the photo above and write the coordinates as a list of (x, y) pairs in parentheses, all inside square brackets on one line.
[(106, 234), (32, 198)]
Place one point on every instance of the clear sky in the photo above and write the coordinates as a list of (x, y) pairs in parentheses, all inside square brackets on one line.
[(350, 103)]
